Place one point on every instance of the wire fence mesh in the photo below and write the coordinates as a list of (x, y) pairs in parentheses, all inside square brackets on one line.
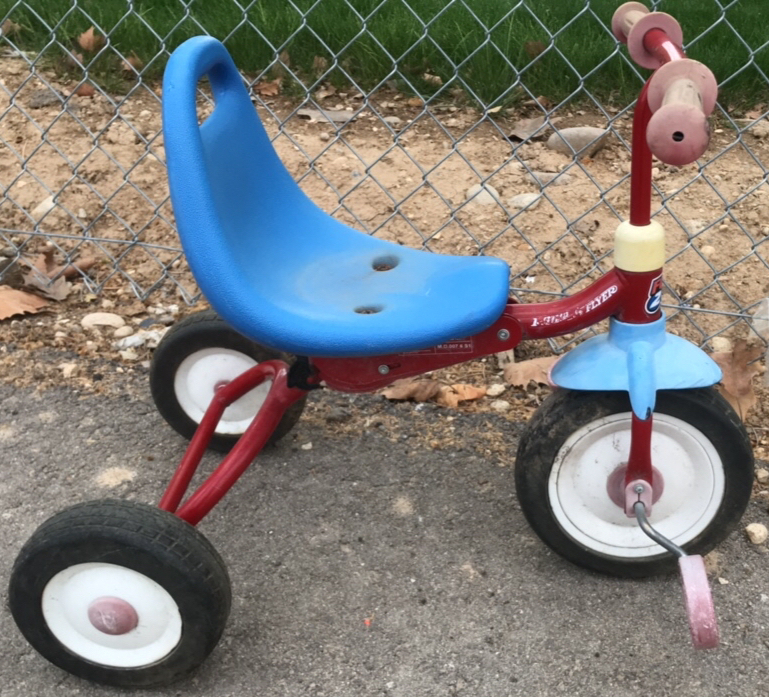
[(453, 171)]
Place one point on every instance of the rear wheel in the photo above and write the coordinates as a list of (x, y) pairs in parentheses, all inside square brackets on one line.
[(197, 356), (570, 461)]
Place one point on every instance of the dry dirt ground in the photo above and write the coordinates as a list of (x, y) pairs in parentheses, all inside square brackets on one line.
[(408, 178)]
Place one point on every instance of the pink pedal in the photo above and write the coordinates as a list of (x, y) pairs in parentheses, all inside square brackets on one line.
[(699, 602)]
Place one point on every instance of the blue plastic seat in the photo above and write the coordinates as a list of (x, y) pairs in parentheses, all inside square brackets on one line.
[(274, 265)]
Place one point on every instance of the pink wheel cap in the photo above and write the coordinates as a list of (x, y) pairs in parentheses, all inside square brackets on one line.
[(112, 615), (699, 602)]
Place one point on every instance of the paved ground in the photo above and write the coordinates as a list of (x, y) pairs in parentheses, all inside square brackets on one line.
[(429, 545)]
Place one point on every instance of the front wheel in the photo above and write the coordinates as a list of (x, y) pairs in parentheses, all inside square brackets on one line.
[(120, 593), (570, 460)]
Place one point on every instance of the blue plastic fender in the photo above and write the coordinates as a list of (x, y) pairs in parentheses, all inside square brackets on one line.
[(636, 358)]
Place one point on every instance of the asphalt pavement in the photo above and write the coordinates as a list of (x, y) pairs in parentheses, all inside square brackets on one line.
[(374, 565)]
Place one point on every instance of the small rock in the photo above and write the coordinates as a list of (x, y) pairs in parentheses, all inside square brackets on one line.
[(495, 390), (584, 140), (102, 319), (337, 415), (528, 201), (68, 369), (392, 120), (543, 178), (708, 251), (46, 205), (144, 337), (129, 355), (44, 97), (82, 214), (757, 533), (122, 332), (500, 405), (324, 136), (721, 344), (306, 446), (762, 476), (484, 195)]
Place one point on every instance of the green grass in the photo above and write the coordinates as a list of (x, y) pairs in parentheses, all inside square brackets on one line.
[(485, 52)]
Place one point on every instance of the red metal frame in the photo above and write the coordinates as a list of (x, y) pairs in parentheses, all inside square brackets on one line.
[(618, 294)]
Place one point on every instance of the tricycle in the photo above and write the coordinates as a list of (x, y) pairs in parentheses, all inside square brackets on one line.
[(633, 466)]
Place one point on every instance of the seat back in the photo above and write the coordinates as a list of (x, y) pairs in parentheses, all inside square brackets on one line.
[(238, 211)]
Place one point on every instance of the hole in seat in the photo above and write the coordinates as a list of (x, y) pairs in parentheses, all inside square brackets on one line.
[(386, 263), (369, 309)]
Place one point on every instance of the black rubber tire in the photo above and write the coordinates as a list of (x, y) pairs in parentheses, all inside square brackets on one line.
[(196, 332), (565, 411), (139, 537)]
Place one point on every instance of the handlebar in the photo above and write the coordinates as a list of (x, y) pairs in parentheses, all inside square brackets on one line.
[(681, 93)]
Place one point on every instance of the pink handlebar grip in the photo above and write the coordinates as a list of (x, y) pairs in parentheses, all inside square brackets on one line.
[(630, 24), (682, 94), (678, 133)]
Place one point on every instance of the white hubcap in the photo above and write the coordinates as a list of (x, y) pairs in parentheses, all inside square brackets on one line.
[(111, 615), (690, 466), (202, 373)]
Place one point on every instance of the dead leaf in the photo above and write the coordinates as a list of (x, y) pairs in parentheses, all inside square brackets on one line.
[(319, 65), (408, 388), (756, 112), (325, 91), (268, 88), (415, 102), (739, 367), (42, 270), (494, 110), (90, 41), (133, 64), (432, 79), (534, 369), (9, 28), (85, 90), (18, 302), (452, 395), (534, 48)]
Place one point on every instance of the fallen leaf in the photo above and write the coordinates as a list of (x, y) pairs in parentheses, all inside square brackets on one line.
[(319, 64), (756, 112), (325, 91), (432, 79), (739, 367), (42, 270), (9, 28), (90, 41), (415, 102), (452, 395), (18, 302), (268, 88), (534, 48), (534, 369), (133, 64), (85, 90), (408, 388)]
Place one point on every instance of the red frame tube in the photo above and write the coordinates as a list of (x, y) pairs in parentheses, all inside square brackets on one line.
[(219, 482)]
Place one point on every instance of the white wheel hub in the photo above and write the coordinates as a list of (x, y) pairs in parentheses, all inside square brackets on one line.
[(203, 372), (691, 467), (111, 615)]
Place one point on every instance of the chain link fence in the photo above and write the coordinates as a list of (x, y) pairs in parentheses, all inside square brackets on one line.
[(82, 173)]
